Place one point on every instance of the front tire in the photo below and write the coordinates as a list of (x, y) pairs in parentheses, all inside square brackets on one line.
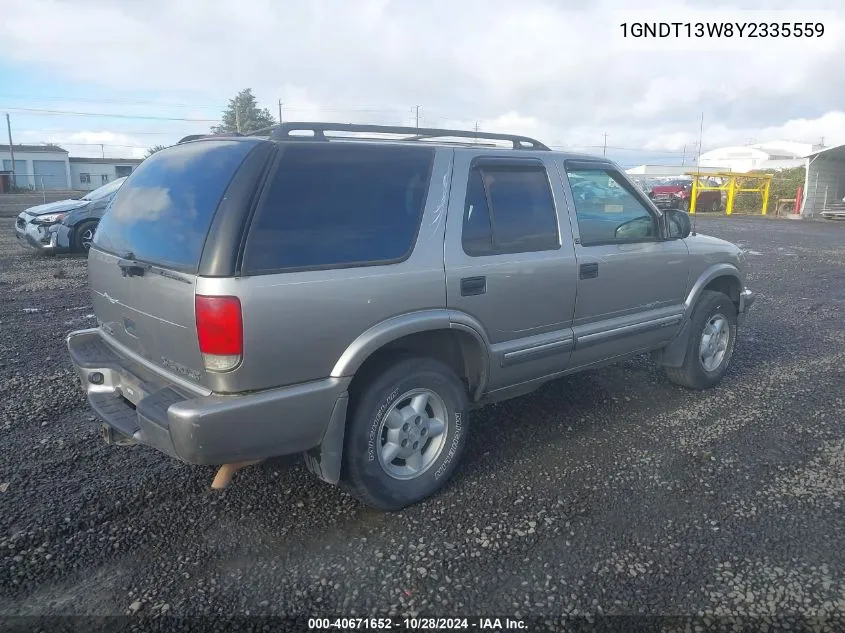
[(83, 236), (711, 343), (407, 432)]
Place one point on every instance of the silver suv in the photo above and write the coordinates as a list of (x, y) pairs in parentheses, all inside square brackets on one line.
[(351, 292)]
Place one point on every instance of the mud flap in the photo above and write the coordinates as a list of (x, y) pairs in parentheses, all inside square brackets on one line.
[(325, 460), (674, 353)]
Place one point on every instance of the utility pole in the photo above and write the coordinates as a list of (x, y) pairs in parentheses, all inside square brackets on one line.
[(102, 150), (11, 149), (237, 116), (280, 110), (700, 136), (604, 151), (418, 116), (684, 156)]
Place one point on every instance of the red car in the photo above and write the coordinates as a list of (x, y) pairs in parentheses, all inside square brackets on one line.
[(675, 194)]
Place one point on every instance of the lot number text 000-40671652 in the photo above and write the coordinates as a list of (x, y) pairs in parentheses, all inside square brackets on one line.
[(416, 624)]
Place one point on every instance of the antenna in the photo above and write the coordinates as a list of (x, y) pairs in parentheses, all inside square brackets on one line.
[(698, 165)]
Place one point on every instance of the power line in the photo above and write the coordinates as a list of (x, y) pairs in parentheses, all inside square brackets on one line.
[(124, 132), (168, 104), (614, 147), (164, 104), (104, 114), (101, 145)]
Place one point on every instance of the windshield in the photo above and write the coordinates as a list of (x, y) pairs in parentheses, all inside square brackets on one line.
[(105, 190)]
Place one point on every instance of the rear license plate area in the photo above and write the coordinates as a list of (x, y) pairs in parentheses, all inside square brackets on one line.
[(131, 389)]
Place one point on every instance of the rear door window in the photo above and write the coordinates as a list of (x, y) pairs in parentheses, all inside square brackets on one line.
[(339, 204), (162, 213), (509, 209)]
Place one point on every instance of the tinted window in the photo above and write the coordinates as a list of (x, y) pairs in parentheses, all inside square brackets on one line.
[(339, 204), (522, 216), (477, 235), (162, 212), (607, 209)]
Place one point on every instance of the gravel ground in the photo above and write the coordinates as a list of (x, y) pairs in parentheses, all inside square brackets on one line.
[(608, 492)]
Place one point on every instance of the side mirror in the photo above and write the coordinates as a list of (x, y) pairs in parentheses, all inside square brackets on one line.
[(679, 224)]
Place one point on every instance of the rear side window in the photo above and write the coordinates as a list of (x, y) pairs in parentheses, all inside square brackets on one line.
[(509, 210), (162, 213), (339, 204)]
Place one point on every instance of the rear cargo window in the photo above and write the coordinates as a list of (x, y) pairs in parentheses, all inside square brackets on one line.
[(339, 204), (162, 212)]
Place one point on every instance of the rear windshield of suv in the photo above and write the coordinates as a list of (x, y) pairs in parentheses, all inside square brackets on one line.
[(339, 204), (163, 211)]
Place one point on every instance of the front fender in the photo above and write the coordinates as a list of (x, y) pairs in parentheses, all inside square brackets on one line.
[(711, 273)]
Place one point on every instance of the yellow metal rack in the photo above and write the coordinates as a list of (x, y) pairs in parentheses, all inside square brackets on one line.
[(732, 184)]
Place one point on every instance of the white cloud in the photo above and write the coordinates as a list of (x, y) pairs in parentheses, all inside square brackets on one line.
[(539, 67)]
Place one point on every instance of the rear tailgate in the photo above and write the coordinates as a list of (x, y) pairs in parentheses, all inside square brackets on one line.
[(153, 314), (143, 265)]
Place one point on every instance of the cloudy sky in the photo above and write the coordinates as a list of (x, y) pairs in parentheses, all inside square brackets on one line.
[(143, 73)]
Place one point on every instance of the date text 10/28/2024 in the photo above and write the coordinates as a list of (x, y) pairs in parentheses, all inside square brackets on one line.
[(416, 624), (795, 30)]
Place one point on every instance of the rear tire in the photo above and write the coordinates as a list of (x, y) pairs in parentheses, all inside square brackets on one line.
[(83, 235), (711, 343), (406, 434), (716, 207)]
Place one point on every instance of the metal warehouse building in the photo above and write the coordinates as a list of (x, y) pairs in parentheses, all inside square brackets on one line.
[(37, 166), (824, 184), (45, 167)]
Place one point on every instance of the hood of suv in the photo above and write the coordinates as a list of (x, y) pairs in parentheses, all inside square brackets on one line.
[(712, 250), (55, 207)]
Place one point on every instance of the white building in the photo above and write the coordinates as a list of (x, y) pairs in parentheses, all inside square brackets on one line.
[(37, 166), (90, 173), (668, 171), (745, 158), (49, 167)]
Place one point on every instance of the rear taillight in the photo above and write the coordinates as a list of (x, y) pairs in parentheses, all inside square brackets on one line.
[(220, 331)]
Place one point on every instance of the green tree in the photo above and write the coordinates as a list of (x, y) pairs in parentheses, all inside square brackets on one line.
[(153, 150), (243, 115)]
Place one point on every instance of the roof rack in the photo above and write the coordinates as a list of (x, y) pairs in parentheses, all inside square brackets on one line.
[(194, 137), (283, 132)]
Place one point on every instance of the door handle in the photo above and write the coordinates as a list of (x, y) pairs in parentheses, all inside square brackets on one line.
[(588, 271), (473, 286)]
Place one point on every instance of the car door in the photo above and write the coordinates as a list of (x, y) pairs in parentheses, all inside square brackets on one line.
[(632, 280), (510, 263)]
